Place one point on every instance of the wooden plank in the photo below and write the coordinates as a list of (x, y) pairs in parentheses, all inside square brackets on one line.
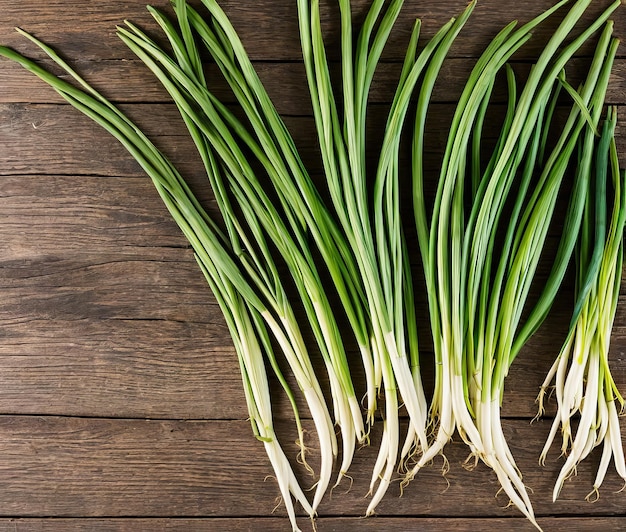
[(76, 142), (119, 368), (30, 130), (325, 524), (41, 210), (130, 81), (97, 332), (165, 368), (77, 467), (269, 28), (176, 369)]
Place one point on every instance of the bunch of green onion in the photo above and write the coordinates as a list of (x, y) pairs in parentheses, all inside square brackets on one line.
[(479, 268), (583, 381), (477, 295), (373, 225)]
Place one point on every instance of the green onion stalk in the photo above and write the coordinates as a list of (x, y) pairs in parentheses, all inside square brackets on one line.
[(393, 263), (251, 307), (189, 92), (289, 178), (251, 340), (449, 397), (583, 382), (373, 226), (516, 273), (477, 90), (476, 313), (270, 142)]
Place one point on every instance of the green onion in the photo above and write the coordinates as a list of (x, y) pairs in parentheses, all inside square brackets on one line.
[(259, 213), (373, 227), (475, 317), (584, 384), (273, 146)]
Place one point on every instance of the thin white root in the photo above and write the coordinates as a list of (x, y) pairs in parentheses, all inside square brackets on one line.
[(593, 495)]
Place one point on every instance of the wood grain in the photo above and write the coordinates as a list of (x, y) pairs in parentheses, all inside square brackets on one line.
[(285, 82), (325, 524), (59, 466), (79, 145), (269, 29), (120, 397)]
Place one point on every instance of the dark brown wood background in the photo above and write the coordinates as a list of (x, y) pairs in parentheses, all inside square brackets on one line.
[(120, 399)]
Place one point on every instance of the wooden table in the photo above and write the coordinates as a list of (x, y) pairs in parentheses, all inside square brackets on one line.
[(120, 399)]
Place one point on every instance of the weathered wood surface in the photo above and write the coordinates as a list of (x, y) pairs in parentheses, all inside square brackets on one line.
[(106, 322), (325, 524), (269, 29), (92, 467)]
